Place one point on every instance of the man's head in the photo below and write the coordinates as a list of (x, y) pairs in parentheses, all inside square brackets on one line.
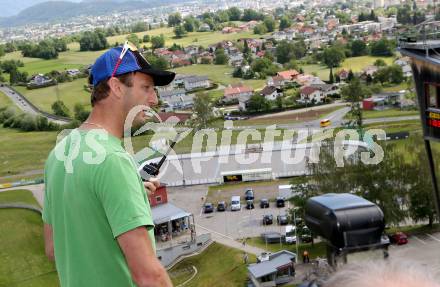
[(122, 81), (384, 273)]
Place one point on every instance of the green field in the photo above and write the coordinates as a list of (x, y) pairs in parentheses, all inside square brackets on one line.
[(24, 151), (70, 93), (66, 60), (220, 74), (22, 260), (218, 265), (388, 113), (356, 64), (196, 38)]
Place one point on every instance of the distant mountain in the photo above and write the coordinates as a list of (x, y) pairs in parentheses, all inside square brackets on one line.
[(11, 8), (62, 10)]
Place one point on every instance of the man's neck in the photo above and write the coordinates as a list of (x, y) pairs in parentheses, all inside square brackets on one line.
[(111, 121)]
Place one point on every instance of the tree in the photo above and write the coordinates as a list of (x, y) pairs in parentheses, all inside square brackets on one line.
[(157, 41), (234, 14), (146, 38), (2, 50), (237, 73), (285, 23), (358, 48), (174, 19), (220, 57), (80, 112), (333, 57), (179, 31), (354, 93), (404, 14), (285, 52), (134, 39), (260, 29), (93, 41), (258, 103), (331, 78), (157, 62), (188, 25), (60, 109), (250, 14), (139, 27), (382, 47), (203, 110), (380, 63), (269, 22), (264, 67)]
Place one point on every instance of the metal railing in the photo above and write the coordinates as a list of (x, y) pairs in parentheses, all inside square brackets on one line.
[(425, 35)]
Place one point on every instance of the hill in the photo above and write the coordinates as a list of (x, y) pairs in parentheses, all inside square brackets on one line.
[(61, 10)]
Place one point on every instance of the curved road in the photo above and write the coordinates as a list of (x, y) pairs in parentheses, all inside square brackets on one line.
[(26, 107)]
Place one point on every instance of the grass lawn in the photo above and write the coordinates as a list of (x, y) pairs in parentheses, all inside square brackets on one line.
[(66, 60), (5, 100), (220, 74), (288, 119), (218, 265), (70, 93), (392, 127), (388, 113), (356, 64), (23, 151), (196, 38), (317, 250), (22, 260)]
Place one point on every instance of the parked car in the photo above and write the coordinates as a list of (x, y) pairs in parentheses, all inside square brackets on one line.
[(280, 201), (249, 194), (267, 219), (221, 206), (235, 203), (306, 235), (264, 203), (282, 219), (399, 238), (250, 204), (208, 208)]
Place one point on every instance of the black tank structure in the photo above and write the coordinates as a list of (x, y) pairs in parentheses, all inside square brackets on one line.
[(423, 48), (347, 222)]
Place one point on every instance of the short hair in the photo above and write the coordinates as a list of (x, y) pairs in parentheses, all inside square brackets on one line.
[(384, 273), (101, 91)]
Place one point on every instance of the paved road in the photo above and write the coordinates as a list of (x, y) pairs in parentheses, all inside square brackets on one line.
[(24, 105)]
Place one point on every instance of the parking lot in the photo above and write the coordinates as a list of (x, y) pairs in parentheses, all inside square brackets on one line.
[(231, 224)]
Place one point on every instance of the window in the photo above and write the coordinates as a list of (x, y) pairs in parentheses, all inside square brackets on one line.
[(158, 198), (432, 95)]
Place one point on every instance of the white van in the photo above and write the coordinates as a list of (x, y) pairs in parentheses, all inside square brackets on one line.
[(235, 203), (290, 234)]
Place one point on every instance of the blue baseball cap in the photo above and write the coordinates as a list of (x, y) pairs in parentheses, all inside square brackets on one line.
[(133, 61)]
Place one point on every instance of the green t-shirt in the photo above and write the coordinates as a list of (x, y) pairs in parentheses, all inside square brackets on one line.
[(93, 193)]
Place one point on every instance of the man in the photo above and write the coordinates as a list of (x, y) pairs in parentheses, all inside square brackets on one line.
[(97, 219)]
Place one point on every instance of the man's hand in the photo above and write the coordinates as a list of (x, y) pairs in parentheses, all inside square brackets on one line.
[(48, 242), (151, 185)]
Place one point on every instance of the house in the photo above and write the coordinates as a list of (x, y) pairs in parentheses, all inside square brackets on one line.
[(204, 28), (191, 50), (232, 93), (278, 269), (384, 100), (276, 81), (196, 82), (73, 72), (327, 89), (311, 94), (306, 79), (179, 117), (243, 101), (343, 74), (369, 70), (176, 99), (271, 93), (288, 75), (169, 220), (40, 80), (236, 60)]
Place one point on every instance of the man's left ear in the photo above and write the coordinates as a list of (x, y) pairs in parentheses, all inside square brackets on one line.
[(116, 87)]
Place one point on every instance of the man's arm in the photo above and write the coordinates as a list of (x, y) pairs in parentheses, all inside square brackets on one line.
[(145, 268), (48, 242)]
